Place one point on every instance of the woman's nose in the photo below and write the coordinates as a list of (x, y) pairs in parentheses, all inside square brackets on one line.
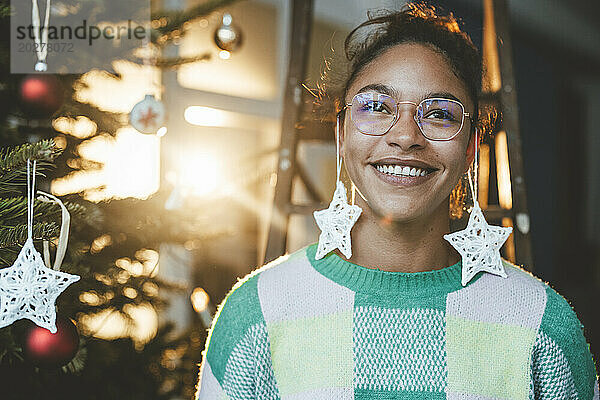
[(405, 132)]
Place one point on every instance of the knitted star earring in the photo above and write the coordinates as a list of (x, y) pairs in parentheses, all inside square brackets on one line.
[(338, 219), (479, 243)]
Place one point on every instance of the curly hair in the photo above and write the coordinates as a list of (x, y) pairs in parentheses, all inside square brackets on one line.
[(420, 23)]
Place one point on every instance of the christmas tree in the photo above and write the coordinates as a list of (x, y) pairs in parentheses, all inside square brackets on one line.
[(113, 246)]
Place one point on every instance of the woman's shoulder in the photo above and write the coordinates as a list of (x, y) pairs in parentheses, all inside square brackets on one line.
[(245, 290), (519, 299), (555, 304), (561, 360), (239, 316), (558, 317)]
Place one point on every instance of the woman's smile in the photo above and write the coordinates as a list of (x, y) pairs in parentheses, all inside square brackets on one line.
[(401, 176), (402, 172)]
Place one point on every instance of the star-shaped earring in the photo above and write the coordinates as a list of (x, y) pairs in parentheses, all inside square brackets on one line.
[(479, 245), (335, 223), (29, 289)]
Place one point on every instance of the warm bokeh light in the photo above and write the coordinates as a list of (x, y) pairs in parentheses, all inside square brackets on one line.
[(60, 142), (205, 116), (118, 94), (162, 131), (484, 175), (199, 299), (503, 169), (197, 173), (110, 324), (509, 246), (81, 127), (100, 243), (491, 80), (130, 159), (131, 163), (145, 264), (224, 54)]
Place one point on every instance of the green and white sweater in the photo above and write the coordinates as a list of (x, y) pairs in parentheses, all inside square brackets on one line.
[(305, 329)]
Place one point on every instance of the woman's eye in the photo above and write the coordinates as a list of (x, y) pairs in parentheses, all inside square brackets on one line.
[(440, 114), (376, 106)]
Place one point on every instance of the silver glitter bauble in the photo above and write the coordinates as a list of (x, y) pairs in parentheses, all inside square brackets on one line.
[(228, 36)]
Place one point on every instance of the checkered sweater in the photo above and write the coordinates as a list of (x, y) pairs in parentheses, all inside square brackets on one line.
[(305, 329)]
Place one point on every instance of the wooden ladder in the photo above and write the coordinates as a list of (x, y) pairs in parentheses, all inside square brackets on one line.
[(499, 91)]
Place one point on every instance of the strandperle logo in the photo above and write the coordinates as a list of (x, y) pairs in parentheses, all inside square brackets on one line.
[(78, 37), (84, 31)]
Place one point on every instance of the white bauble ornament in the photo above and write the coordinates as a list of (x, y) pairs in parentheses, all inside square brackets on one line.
[(147, 116), (228, 36)]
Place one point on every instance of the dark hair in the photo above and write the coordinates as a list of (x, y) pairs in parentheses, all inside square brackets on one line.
[(416, 22)]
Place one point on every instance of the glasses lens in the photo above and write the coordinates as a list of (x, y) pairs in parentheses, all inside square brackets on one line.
[(373, 113), (440, 118)]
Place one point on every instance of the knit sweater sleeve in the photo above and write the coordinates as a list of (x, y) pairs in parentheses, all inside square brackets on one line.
[(562, 364), (231, 363)]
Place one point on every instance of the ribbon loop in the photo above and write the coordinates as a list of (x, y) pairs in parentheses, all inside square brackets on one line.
[(63, 237)]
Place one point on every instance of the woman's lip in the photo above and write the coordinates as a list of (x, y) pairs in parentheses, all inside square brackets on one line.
[(404, 181)]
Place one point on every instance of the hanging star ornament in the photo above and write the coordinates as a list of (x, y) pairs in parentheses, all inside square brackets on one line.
[(335, 223), (479, 245), (29, 289)]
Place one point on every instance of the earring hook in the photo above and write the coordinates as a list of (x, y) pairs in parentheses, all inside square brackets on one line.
[(338, 160), (475, 168)]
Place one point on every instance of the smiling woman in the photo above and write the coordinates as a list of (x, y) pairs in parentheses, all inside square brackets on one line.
[(392, 310), (416, 208)]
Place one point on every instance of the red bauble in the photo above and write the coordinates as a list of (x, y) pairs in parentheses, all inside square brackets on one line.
[(51, 350), (41, 95)]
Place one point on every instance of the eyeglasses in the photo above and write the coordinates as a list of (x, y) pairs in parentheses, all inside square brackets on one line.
[(438, 118)]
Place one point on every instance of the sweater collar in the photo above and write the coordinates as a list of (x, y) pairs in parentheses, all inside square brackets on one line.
[(376, 281)]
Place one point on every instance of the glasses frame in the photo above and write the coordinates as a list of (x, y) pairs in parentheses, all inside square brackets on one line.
[(397, 115)]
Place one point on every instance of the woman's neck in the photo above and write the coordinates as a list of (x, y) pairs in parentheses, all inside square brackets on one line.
[(413, 246)]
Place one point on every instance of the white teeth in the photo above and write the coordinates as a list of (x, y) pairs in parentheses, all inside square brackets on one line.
[(401, 171)]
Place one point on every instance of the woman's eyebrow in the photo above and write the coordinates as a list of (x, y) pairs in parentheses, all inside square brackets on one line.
[(380, 88), (445, 95), (385, 89)]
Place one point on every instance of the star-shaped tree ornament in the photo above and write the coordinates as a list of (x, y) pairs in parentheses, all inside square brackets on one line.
[(29, 289), (479, 245), (335, 223)]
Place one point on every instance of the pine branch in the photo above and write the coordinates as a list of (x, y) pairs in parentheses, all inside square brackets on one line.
[(15, 158), (13, 162), (166, 63), (13, 210), (175, 20), (4, 11), (106, 121), (8, 346), (15, 235)]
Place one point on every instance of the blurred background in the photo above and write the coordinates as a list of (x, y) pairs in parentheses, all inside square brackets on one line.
[(169, 163)]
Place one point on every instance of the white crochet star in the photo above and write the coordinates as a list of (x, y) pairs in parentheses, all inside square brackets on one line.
[(335, 223), (29, 289), (479, 245)]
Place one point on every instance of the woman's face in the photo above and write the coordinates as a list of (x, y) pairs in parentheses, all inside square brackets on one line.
[(406, 72)]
